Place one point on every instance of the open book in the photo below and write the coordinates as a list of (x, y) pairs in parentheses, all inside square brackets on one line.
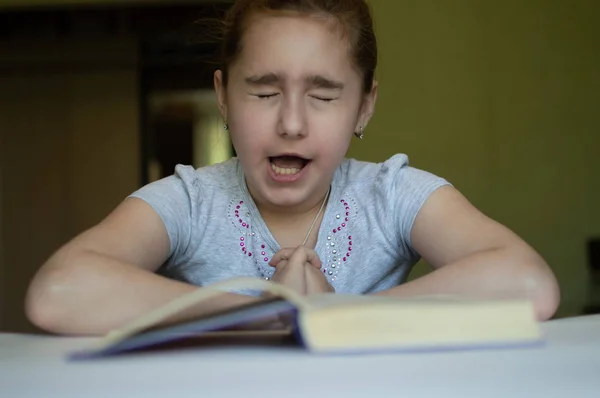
[(339, 323)]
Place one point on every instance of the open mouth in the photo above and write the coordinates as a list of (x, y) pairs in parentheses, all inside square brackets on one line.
[(288, 164)]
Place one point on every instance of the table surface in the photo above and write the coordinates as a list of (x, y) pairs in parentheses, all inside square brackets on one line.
[(567, 366)]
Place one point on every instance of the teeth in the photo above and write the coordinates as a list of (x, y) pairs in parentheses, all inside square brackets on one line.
[(284, 171)]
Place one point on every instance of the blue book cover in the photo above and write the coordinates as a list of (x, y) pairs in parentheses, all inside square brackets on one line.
[(223, 320)]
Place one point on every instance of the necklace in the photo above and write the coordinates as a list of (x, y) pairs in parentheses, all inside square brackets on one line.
[(317, 217)]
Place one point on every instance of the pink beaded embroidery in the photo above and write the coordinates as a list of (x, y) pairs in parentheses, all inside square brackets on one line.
[(246, 241), (339, 243)]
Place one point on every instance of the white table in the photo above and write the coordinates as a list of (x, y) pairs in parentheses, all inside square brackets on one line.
[(568, 366)]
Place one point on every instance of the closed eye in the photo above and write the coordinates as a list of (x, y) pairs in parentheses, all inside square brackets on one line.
[(324, 99), (265, 96)]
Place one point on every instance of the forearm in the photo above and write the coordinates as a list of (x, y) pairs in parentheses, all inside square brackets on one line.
[(497, 273), (93, 294)]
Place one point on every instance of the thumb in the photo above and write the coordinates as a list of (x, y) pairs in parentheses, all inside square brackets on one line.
[(303, 255), (283, 254)]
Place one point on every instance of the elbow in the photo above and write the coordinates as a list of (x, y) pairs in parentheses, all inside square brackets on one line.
[(53, 300), (49, 301), (543, 289), (547, 303), (42, 307), (39, 314)]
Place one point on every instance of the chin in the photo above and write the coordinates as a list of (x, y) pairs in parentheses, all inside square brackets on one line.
[(285, 197)]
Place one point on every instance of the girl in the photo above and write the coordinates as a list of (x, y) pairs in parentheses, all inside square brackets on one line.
[(297, 83)]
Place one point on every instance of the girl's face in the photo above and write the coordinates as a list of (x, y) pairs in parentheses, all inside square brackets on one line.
[(292, 103)]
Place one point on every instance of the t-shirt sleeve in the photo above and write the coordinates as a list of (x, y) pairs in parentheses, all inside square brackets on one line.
[(176, 199), (408, 189)]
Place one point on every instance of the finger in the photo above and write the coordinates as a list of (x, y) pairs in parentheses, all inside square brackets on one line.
[(291, 275), (304, 255), (313, 258), (283, 254), (316, 282)]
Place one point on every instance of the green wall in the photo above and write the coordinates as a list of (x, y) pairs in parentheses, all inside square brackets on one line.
[(502, 99)]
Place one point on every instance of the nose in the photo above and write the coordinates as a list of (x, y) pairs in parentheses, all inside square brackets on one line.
[(292, 118)]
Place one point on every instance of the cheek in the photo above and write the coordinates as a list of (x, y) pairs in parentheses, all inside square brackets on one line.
[(334, 148), (335, 131), (249, 131), (253, 128)]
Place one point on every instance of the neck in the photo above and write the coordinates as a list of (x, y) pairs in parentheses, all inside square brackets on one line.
[(285, 214)]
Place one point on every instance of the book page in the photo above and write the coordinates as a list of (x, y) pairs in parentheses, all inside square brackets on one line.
[(344, 299), (203, 293)]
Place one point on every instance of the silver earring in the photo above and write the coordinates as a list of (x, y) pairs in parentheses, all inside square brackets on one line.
[(226, 126), (359, 134)]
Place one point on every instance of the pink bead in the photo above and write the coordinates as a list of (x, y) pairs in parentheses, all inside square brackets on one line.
[(339, 228), (241, 202), (349, 249), (350, 237), (242, 238), (344, 258), (350, 243), (237, 207), (240, 220), (263, 253), (343, 225), (342, 201), (266, 259), (242, 244), (346, 219), (347, 208), (324, 270), (347, 254), (247, 225), (243, 224), (249, 254), (347, 214), (262, 246), (334, 231)]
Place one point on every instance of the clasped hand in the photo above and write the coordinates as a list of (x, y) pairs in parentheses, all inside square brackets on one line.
[(300, 270)]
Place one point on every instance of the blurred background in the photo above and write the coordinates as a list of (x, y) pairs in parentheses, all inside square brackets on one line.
[(98, 97)]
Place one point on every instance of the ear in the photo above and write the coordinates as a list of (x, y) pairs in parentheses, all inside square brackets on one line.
[(367, 107), (221, 94)]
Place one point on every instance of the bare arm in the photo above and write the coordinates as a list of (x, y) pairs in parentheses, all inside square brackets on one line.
[(105, 276), (476, 256)]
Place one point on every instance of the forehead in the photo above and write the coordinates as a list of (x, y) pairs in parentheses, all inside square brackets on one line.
[(295, 46)]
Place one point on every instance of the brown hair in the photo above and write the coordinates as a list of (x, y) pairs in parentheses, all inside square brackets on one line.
[(354, 16)]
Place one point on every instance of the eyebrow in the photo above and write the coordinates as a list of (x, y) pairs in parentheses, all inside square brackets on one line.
[(323, 82), (263, 80), (315, 81)]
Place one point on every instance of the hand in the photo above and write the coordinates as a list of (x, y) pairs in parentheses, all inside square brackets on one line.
[(299, 269), (290, 267), (316, 282)]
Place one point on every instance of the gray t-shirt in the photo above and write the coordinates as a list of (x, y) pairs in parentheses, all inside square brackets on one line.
[(216, 231)]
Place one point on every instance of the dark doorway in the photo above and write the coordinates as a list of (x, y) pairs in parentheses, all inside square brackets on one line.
[(178, 48)]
